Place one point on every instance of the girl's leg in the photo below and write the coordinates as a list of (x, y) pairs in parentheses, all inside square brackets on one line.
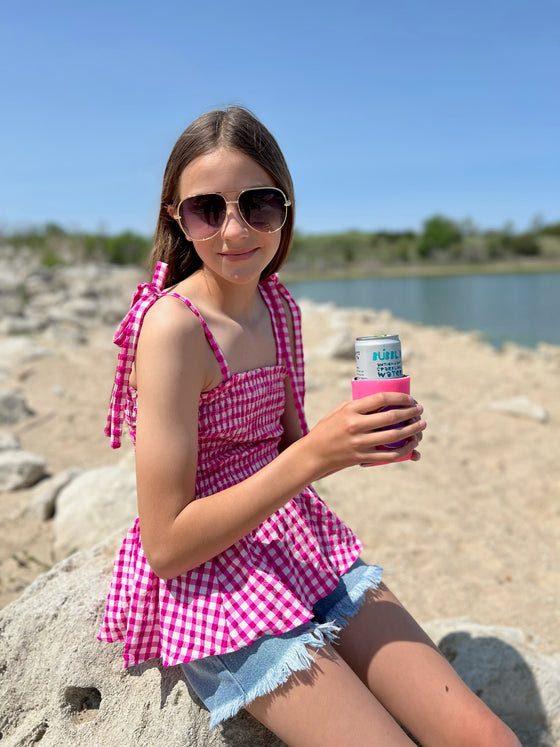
[(408, 675), (327, 706)]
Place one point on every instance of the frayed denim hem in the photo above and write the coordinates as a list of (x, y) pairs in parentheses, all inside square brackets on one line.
[(229, 682), (297, 659), (345, 609)]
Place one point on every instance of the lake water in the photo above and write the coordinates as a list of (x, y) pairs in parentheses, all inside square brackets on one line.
[(519, 308)]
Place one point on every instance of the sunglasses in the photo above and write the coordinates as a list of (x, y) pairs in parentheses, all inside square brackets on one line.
[(201, 217)]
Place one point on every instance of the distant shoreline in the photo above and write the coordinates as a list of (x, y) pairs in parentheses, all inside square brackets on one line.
[(361, 270), (499, 306)]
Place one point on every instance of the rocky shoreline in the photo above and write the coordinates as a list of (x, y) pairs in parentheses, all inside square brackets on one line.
[(468, 537)]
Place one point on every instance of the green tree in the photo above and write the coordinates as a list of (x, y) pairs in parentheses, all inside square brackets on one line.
[(524, 244), (551, 230), (126, 248), (54, 231), (439, 232)]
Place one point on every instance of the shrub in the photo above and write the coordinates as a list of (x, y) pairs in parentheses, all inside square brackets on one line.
[(439, 233)]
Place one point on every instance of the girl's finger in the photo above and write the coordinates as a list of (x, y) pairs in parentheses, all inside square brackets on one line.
[(384, 436), (381, 400), (388, 417)]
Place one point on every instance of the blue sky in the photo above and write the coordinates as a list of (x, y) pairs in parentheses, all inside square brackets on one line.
[(387, 112)]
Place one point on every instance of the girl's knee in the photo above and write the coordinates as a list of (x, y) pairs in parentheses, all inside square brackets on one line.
[(481, 729), (498, 734), (509, 740)]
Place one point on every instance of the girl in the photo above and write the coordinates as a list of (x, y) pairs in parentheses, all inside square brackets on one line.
[(235, 568)]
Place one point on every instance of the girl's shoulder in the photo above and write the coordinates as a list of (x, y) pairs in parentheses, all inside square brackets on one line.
[(171, 320), (172, 341)]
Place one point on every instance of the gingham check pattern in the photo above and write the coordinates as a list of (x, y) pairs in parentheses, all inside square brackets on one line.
[(269, 580), (126, 337)]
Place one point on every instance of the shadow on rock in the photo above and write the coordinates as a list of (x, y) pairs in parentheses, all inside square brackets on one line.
[(499, 674)]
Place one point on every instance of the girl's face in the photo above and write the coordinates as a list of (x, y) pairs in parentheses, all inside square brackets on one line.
[(237, 253)]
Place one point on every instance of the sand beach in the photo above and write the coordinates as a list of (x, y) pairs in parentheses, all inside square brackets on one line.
[(471, 530)]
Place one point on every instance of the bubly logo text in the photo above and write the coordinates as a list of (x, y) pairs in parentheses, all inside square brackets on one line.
[(387, 355)]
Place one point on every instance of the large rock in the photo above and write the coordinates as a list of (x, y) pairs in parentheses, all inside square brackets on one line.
[(521, 407), (22, 348), (13, 407), (20, 469), (92, 506), (505, 668), (42, 504), (9, 442), (62, 687), (65, 302)]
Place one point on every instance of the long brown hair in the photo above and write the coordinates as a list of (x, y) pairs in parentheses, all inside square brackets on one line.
[(234, 127)]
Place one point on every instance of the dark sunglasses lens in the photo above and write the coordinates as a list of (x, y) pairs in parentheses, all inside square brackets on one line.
[(202, 216), (263, 209)]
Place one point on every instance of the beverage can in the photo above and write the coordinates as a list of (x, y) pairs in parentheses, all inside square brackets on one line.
[(378, 357)]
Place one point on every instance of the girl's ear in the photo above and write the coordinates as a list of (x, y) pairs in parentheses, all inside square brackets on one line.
[(171, 211)]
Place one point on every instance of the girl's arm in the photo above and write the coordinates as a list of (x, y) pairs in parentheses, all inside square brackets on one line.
[(178, 533)]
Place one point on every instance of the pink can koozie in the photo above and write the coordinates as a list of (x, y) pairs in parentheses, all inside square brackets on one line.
[(378, 364)]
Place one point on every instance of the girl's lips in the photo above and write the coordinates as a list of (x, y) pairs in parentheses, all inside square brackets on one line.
[(237, 256)]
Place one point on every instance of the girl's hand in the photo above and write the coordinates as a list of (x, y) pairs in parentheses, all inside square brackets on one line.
[(352, 433)]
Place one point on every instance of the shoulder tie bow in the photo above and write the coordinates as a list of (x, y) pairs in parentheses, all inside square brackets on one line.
[(126, 337)]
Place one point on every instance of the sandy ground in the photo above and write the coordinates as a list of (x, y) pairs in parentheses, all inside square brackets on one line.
[(472, 530)]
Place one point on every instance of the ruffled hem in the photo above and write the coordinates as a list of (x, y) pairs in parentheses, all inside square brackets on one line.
[(299, 658), (156, 618)]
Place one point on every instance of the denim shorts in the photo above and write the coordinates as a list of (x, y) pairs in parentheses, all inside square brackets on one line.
[(226, 683)]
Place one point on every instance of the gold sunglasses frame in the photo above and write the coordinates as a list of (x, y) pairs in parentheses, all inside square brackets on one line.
[(175, 212)]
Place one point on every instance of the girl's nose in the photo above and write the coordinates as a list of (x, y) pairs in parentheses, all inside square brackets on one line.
[(234, 225)]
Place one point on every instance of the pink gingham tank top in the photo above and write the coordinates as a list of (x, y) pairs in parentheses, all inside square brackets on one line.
[(268, 581)]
